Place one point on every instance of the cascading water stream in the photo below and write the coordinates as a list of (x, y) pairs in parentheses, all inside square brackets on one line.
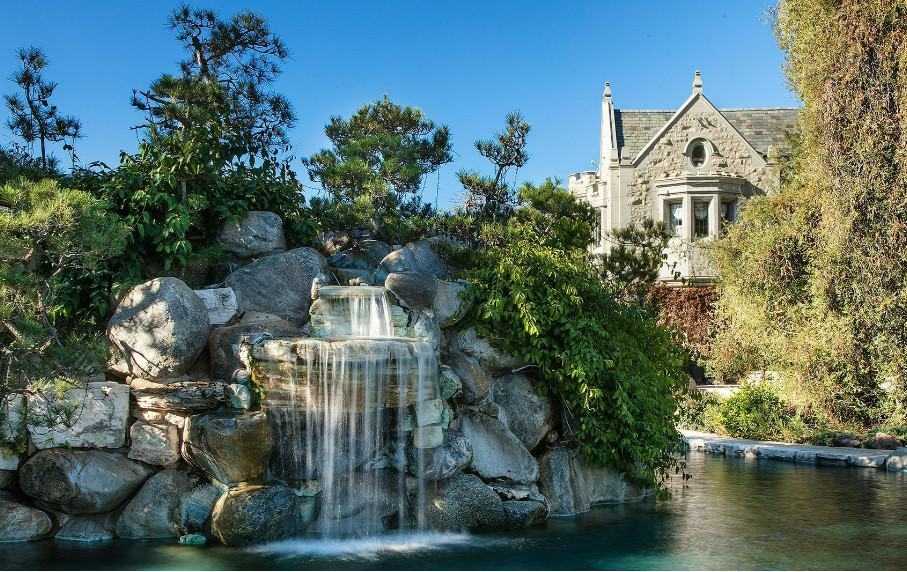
[(341, 407)]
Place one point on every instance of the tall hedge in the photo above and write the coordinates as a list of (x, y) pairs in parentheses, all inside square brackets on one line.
[(815, 277)]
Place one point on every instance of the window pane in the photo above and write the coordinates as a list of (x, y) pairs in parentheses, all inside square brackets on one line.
[(728, 212), (700, 218), (697, 156), (676, 210)]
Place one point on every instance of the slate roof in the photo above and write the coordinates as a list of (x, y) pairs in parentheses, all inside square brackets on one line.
[(761, 127)]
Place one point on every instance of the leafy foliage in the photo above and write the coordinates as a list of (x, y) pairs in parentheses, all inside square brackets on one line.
[(616, 371), (378, 160), (32, 116), (814, 278), (55, 244), (636, 256)]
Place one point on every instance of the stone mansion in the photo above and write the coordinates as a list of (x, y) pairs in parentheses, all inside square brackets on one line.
[(689, 167)]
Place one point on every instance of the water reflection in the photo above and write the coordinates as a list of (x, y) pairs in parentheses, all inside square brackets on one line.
[(734, 514)]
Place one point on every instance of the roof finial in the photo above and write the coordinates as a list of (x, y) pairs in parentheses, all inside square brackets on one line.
[(697, 82), (607, 93)]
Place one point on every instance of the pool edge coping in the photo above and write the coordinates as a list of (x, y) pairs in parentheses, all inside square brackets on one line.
[(886, 459)]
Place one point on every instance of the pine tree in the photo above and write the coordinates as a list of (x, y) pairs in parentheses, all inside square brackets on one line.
[(34, 117)]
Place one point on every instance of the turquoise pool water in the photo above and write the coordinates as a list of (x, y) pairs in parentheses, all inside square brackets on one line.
[(733, 514)]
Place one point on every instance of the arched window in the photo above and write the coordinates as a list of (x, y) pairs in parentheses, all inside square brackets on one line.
[(698, 153)]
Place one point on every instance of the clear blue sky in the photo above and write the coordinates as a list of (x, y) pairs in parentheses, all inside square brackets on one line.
[(465, 63)]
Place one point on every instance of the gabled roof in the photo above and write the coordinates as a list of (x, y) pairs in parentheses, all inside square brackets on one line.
[(760, 127)]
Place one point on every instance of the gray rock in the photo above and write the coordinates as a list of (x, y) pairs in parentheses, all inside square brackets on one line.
[(897, 461), (451, 385), (496, 452), (414, 290), (12, 428), (230, 449), (8, 480), (193, 539), (464, 502), (101, 413), (183, 395), (428, 437), (257, 233), (607, 486), (526, 413), (254, 514), (240, 396), (474, 380), (442, 462), (83, 529), (451, 302), (365, 256), (195, 508), (221, 304), (223, 344), (525, 513), (81, 482), (563, 482), (469, 343), (152, 513), (158, 330), (884, 441), (279, 284), (154, 444), (426, 328), (331, 242), (417, 256), (20, 523)]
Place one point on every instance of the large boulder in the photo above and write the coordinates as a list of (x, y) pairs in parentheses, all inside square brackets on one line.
[(278, 284), (474, 380), (464, 502), (83, 529), (101, 413), (331, 242), (223, 344), (180, 395), (451, 302), (193, 514), (419, 256), (255, 234), (526, 413), (152, 513), (442, 462), (221, 304), (496, 452), (365, 255), (81, 482), (415, 290), (158, 330), (525, 513), (255, 513), (470, 343), (155, 444), (229, 448), (563, 482), (20, 523), (608, 486)]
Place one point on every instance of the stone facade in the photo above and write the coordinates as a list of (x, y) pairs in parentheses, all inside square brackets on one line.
[(691, 168)]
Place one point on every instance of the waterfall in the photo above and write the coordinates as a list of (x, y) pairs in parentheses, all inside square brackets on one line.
[(341, 404)]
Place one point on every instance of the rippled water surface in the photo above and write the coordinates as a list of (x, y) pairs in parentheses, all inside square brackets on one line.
[(733, 514)]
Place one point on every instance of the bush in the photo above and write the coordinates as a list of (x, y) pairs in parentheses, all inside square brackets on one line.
[(614, 368), (700, 411), (754, 412)]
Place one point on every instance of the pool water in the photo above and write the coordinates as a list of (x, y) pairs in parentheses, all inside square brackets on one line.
[(733, 514)]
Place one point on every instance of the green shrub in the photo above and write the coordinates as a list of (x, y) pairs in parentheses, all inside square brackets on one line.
[(754, 412), (700, 411), (615, 369)]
